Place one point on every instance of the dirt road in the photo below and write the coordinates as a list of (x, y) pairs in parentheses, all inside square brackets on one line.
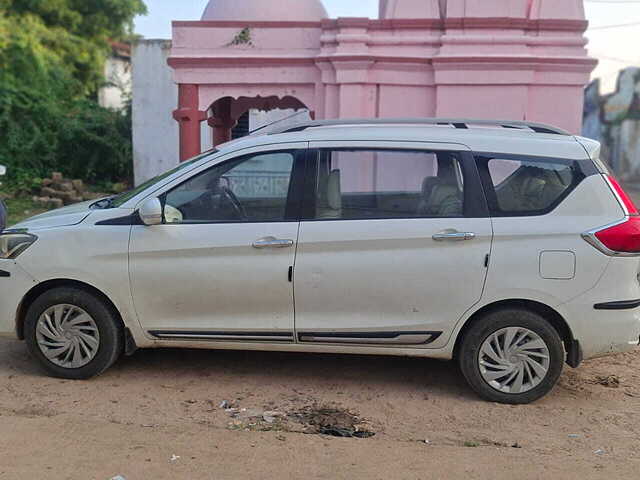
[(138, 418)]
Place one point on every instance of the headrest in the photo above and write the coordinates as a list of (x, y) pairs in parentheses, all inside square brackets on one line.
[(428, 183), (533, 186)]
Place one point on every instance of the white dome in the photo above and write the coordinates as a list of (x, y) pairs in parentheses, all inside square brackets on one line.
[(265, 10)]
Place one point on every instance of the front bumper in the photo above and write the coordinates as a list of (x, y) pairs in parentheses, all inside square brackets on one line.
[(15, 283)]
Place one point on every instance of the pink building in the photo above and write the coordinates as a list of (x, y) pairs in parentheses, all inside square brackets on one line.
[(507, 59)]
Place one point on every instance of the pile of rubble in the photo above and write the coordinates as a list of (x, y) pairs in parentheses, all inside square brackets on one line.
[(58, 191), (316, 419)]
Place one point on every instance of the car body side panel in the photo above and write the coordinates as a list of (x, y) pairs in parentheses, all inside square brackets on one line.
[(14, 284), (96, 255), (519, 242), (514, 270)]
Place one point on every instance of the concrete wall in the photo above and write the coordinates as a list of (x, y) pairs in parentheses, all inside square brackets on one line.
[(155, 96)]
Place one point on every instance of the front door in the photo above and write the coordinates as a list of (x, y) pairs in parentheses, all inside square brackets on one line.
[(218, 267), (393, 245)]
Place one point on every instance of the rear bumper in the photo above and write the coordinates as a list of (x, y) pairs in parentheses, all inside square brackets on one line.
[(606, 319), (603, 332), (14, 285)]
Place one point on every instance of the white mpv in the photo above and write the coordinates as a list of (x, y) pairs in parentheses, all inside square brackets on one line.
[(506, 246)]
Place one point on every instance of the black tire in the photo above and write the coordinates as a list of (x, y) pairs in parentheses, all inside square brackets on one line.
[(111, 342), (474, 338)]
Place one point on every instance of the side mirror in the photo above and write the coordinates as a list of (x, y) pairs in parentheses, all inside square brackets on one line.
[(151, 212)]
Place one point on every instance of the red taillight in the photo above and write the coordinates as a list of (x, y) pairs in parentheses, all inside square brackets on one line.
[(624, 197), (623, 238)]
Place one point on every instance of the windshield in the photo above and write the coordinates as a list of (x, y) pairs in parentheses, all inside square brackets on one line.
[(115, 202)]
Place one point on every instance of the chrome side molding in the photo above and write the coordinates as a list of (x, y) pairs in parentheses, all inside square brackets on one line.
[(223, 336), (370, 338)]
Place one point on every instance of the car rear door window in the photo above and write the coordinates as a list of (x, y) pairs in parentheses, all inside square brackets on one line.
[(377, 184), (527, 186)]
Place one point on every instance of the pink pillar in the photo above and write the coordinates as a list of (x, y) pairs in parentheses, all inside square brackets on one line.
[(189, 116)]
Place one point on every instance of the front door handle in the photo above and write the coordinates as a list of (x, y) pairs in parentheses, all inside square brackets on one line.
[(273, 242), (453, 236)]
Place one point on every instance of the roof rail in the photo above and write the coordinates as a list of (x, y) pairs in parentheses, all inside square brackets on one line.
[(454, 122)]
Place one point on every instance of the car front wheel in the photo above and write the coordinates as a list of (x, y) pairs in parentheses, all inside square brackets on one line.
[(73, 333), (511, 356)]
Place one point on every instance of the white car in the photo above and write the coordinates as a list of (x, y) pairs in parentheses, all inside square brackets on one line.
[(506, 246)]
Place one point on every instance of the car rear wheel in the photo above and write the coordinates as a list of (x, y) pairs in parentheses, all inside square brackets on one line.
[(511, 356), (73, 333)]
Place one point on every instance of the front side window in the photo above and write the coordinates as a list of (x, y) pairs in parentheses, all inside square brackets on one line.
[(520, 186), (370, 184), (251, 189), (126, 196)]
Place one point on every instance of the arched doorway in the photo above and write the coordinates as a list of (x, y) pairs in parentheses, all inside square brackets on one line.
[(235, 117)]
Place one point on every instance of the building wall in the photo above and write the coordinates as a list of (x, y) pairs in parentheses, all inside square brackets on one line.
[(155, 132), (491, 59), (496, 59), (155, 95)]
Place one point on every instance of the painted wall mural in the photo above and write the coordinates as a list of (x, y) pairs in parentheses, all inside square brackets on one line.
[(614, 120)]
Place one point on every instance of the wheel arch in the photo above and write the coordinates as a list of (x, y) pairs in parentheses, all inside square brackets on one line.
[(555, 319), (41, 288)]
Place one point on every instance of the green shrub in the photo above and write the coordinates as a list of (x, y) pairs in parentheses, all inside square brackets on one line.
[(43, 133), (52, 56)]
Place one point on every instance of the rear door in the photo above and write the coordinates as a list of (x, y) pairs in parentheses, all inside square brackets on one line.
[(392, 246)]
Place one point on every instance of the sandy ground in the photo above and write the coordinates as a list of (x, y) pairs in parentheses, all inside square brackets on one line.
[(164, 404)]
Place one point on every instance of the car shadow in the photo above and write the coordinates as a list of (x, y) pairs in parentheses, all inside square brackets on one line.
[(298, 369)]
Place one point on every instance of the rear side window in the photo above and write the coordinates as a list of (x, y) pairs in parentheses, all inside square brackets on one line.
[(378, 184), (520, 186)]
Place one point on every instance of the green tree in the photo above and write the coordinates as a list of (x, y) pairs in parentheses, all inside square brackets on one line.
[(52, 55), (70, 34)]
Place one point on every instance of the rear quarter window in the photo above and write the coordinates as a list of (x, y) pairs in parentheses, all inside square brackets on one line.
[(528, 186)]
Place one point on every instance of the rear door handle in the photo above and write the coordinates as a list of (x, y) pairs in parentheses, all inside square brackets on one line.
[(450, 236), (273, 242)]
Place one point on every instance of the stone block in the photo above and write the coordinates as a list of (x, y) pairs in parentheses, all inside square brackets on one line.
[(55, 203), (78, 185), (47, 192), (64, 196)]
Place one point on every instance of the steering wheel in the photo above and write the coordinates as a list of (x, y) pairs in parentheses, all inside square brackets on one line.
[(235, 203)]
